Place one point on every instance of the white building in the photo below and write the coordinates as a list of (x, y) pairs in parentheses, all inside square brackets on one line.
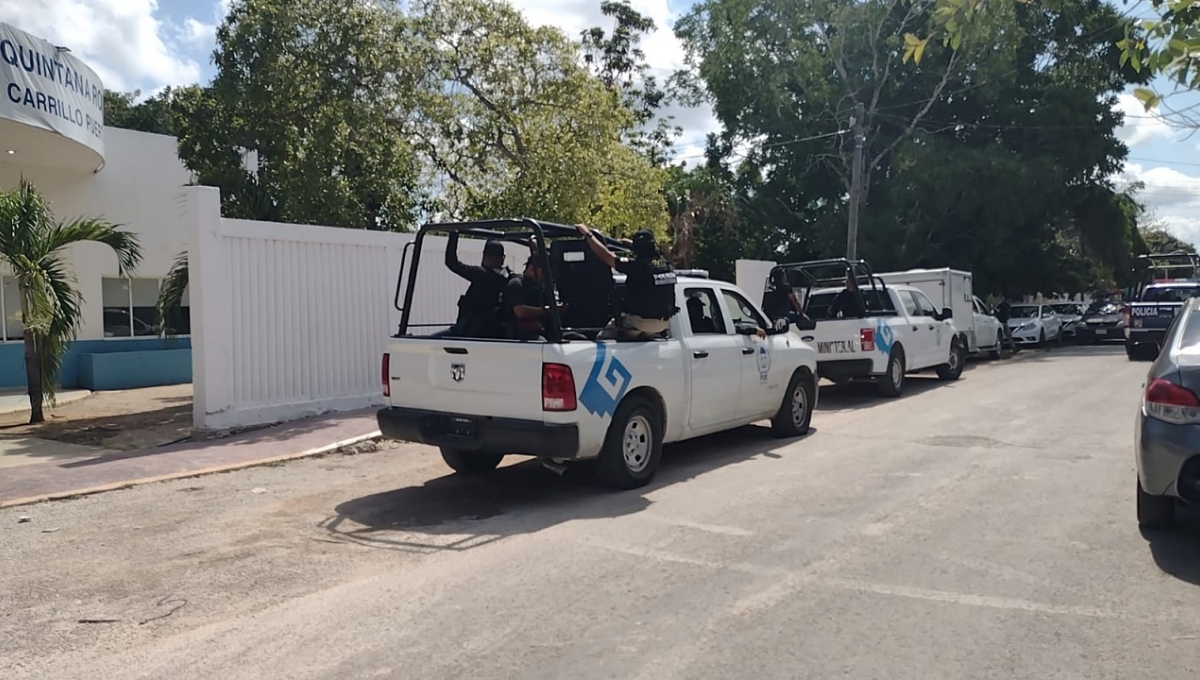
[(52, 134)]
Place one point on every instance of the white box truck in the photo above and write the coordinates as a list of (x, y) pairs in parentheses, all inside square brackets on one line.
[(973, 322)]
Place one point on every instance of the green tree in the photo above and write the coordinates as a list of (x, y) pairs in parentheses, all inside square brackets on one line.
[(1158, 240), (301, 122), (122, 110), (32, 244), (618, 60), (989, 156), (513, 124)]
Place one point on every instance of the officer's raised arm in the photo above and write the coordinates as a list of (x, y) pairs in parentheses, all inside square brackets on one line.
[(452, 261), (606, 256)]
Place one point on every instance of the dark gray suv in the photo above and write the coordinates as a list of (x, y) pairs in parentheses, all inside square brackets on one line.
[(1167, 434)]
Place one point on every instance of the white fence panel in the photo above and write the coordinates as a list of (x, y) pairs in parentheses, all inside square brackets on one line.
[(292, 320)]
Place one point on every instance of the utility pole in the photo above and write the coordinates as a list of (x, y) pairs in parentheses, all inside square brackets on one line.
[(856, 173)]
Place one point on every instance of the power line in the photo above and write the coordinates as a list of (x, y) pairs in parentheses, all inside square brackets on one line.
[(770, 145)]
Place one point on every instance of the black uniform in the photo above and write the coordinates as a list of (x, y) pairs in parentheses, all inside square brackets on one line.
[(849, 303), (521, 291), (777, 301), (649, 287), (479, 307)]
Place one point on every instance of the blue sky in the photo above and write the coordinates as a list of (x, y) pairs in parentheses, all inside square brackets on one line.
[(144, 44)]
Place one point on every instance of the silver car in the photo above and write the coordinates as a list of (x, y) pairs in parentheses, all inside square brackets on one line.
[(1167, 434)]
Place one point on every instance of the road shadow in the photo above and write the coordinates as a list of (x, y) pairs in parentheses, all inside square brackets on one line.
[(1049, 353), (865, 394), (1177, 551), (457, 513)]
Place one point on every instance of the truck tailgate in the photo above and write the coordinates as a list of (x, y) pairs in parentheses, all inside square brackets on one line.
[(469, 377)]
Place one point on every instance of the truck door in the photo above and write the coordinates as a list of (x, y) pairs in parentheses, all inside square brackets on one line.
[(715, 360), (760, 391), (930, 331)]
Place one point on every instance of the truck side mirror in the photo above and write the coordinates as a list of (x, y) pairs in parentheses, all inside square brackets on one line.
[(805, 325), (947, 313)]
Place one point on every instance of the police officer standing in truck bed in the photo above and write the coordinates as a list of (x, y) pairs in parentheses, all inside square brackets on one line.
[(479, 307), (649, 301)]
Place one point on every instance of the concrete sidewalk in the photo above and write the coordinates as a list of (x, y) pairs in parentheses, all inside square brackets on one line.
[(90, 471)]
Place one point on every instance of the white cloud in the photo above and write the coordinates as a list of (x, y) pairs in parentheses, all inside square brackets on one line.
[(198, 34), (1173, 198), (1141, 126), (119, 39)]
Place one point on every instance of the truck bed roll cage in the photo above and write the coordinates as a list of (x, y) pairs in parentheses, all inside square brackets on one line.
[(863, 275), (525, 231)]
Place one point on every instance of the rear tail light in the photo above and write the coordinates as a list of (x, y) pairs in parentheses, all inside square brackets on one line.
[(387, 382), (558, 388), (866, 338), (1171, 403)]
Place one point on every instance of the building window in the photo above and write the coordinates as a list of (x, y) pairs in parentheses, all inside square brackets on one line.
[(10, 310), (130, 309)]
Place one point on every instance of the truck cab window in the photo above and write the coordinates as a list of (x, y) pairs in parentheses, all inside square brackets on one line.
[(910, 303), (924, 306), (741, 311), (704, 315)]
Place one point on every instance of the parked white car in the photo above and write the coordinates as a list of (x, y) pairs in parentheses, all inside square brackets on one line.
[(988, 329), (569, 397), (1034, 324)]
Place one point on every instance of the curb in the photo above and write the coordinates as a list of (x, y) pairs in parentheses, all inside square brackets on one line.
[(92, 490)]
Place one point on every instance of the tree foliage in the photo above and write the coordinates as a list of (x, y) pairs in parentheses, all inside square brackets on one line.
[(992, 152), (1158, 240), (32, 245), (513, 124), (617, 59), (122, 110), (298, 125)]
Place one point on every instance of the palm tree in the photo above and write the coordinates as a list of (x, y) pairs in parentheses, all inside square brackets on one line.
[(32, 244), (170, 294)]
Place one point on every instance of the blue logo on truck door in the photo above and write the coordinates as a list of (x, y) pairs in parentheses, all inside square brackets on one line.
[(884, 338), (600, 397)]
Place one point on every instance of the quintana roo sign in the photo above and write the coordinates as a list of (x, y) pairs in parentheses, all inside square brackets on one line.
[(46, 87)]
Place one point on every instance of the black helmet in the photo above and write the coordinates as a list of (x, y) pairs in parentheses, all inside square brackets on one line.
[(643, 243)]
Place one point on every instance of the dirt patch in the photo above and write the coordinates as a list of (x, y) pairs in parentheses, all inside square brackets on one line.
[(125, 420)]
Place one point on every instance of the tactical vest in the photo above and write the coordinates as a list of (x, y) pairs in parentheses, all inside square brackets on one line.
[(650, 293), (479, 307)]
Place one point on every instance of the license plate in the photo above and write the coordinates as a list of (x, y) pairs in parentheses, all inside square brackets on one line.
[(1101, 331), (454, 426)]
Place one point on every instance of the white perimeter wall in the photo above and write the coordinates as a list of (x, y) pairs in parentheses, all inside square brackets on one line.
[(291, 320), (137, 188)]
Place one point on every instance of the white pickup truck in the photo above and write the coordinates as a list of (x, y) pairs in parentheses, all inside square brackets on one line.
[(570, 398), (899, 332)]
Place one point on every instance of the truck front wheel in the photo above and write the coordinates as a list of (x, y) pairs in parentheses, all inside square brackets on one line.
[(953, 368), (795, 413), (633, 447), (891, 384), (468, 463)]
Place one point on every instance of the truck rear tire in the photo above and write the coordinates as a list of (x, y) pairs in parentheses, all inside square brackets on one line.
[(633, 446), (891, 383), (953, 368), (468, 463), (795, 413)]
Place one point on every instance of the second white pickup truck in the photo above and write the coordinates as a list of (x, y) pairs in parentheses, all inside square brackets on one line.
[(896, 330), (569, 397)]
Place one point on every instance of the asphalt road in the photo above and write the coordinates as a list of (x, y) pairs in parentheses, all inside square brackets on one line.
[(980, 529)]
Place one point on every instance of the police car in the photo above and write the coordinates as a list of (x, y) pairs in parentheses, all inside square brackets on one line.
[(569, 397)]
